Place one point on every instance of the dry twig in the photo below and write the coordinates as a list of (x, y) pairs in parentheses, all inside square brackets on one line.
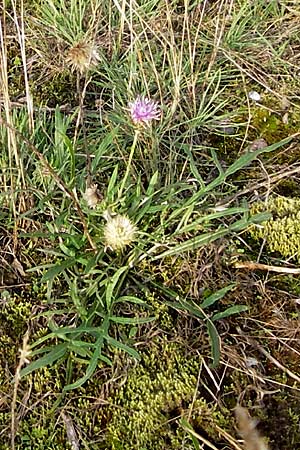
[(250, 265)]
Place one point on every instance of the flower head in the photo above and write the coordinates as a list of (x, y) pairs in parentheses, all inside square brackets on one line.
[(83, 56), (143, 110), (92, 196), (119, 232)]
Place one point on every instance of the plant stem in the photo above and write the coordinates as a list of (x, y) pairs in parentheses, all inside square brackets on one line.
[(137, 132)]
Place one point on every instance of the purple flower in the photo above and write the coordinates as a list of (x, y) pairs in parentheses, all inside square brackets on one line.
[(143, 110)]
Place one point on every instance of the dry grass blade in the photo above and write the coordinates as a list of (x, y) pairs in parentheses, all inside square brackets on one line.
[(71, 433), (24, 353), (270, 357), (200, 438), (16, 178), (19, 24)]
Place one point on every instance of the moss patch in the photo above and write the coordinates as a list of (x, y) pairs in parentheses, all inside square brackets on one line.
[(282, 231)]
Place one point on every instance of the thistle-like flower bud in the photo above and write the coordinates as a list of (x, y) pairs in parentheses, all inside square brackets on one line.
[(83, 56), (92, 196), (119, 232)]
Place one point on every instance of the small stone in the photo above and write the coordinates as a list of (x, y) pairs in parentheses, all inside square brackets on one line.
[(285, 104), (285, 118), (255, 96), (250, 362)]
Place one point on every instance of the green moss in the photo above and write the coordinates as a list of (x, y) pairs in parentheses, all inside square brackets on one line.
[(14, 315), (58, 90), (270, 125), (282, 231), (280, 420), (157, 392), (160, 310), (289, 187)]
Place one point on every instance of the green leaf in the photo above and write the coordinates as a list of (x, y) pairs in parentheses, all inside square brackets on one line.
[(187, 307), (91, 367), (70, 147), (247, 158), (111, 185), (57, 269), (55, 354), (152, 184), (193, 165), (217, 162), (132, 332), (260, 217), (207, 218), (243, 161), (132, 320), (112, 284), (122, 346), (106, 360), (80, 350), (189, 429), (216, 296), (67, 251), (236, 309), (185, 216), (194, 243), (131, 299), (104, 147), (215, 343), (164, 289), (206, 238), (63, 331)]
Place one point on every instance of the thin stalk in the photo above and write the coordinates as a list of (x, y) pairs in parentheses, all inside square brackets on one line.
[(135, 139)]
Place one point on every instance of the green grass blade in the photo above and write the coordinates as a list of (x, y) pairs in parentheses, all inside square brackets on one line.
[(217, 296), (217, 162), (123, 347), (193, 165), (248, 157), (244, 160), (152, 184), (215, 343), (131, 320), (186, 307), (193, 243), (105, 146), (236, 309), (206, 218), (58, 352), (112, 284), (131, 299), (112, 183), (54, 271), (189, 429), (91, 367)]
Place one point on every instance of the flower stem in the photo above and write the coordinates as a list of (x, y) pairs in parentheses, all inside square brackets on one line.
[(137, 132)]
